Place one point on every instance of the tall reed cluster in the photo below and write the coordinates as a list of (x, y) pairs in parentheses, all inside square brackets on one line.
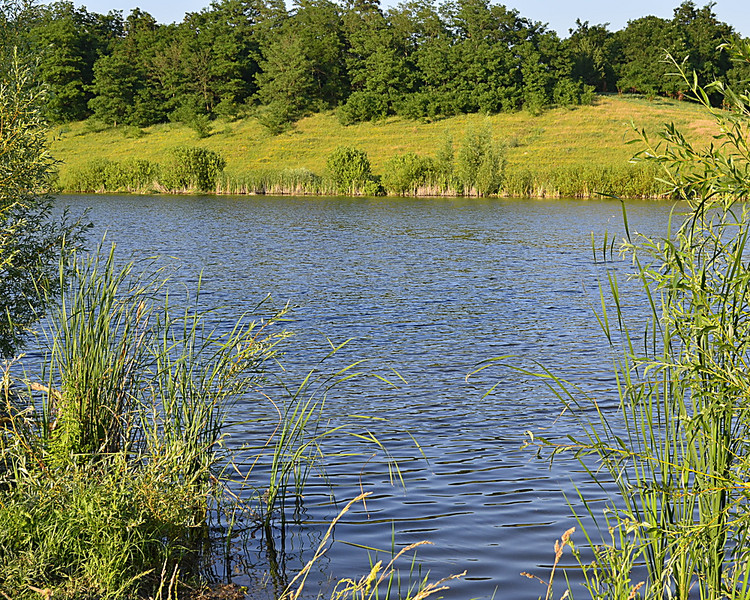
[(286, 182), (627, 181), (477, 167), (112, 458), (118, 477), (678, 451)]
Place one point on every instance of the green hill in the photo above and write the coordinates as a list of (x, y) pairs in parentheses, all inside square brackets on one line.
[(559, 141)]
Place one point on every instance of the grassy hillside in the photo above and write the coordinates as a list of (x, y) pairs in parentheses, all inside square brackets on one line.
[(588, 136)]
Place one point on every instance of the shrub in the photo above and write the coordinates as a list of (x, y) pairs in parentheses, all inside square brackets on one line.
[(404, 173), (104, 175), (132, 132), (479, 163), (228, 109), (425, 105), (362, 106), (349, 168), (190, 167), (190, 116), (567, 92), (94, 125), (276, 117)]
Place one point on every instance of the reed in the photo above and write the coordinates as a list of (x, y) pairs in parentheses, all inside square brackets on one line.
[(406, 175), (382, 581), (294, 182), (111, 460), (117, 475), (677, 452)]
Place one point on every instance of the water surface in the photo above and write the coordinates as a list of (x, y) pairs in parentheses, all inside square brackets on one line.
[(430, 288)]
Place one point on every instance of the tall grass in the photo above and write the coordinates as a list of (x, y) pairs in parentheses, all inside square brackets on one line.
[(294, 182), (117, 475), (406, 175), (678, 452), (382, 581), (111, 460)]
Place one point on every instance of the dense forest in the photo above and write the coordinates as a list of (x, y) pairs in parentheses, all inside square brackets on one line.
[(418, 60)]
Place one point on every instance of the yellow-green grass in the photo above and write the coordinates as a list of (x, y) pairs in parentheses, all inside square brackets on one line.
[(587, 136)]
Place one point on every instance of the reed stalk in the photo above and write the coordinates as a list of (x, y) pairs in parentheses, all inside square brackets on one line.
[(116, 470), (676, 452), (111, 460)]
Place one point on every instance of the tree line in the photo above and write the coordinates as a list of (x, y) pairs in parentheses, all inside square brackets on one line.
[(417, 60)]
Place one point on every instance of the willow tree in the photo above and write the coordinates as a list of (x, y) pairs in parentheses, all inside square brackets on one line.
[(32, 242)]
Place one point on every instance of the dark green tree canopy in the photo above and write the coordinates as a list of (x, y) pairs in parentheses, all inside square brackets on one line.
[(421, 59)]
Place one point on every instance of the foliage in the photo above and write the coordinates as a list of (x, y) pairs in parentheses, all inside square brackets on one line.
[(192, 168), (104, 175), (420, 60), (31, 242), (362, 106), (123, 87), (479, 163), (594, 53), (111, 461), (404, 173), (570, 93), (302, 68), (349, 168), (69, 41), (193, 118)]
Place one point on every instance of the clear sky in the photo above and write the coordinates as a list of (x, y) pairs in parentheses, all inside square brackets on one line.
[(559, 14)]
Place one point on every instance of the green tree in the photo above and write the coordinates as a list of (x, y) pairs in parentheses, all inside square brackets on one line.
[(643, 69), (701, 35), (31, 242), (593, 53), (285, 85), (68, 41), (117, 82), (377, 59), (303, 64), (125, 84), (537, 80), (693, 35)]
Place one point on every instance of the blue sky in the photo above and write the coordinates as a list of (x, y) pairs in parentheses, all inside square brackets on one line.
[(560, 15)]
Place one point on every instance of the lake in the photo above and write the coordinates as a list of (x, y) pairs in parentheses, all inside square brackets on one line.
[(429, 288)]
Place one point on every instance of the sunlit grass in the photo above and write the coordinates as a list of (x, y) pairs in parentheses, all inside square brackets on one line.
[(589, 136)]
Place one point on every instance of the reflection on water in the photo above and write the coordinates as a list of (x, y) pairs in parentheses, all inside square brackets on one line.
[(429, 288)]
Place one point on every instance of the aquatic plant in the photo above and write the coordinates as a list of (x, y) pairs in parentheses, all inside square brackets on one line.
[(112, 460), (295, 182), (118, 475), (676, 453)]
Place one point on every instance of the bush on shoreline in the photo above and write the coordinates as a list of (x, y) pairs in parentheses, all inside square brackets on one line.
[(408, 175)]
